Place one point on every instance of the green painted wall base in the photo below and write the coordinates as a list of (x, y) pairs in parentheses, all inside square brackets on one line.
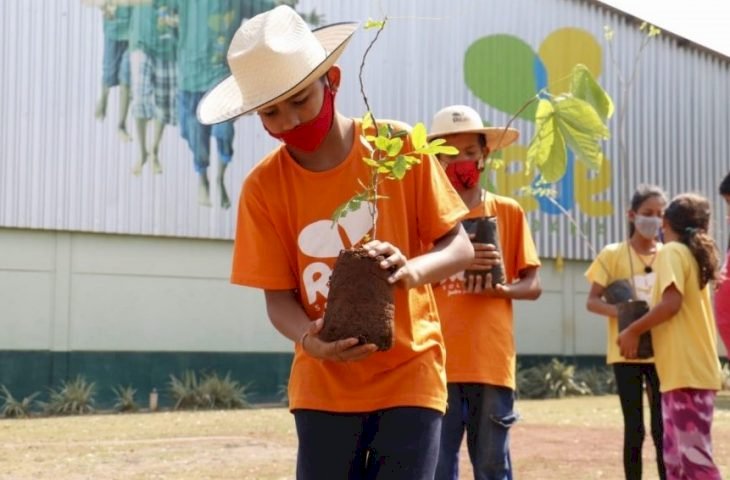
[(25, 372)]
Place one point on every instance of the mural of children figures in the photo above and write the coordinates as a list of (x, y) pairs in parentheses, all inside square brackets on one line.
[(152, 57), (205, 31), (115, 63)]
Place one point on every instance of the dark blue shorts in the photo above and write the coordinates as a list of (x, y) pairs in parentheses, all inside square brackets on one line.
[(391, 444)]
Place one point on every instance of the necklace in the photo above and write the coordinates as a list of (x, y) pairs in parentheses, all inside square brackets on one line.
[(647, 266)]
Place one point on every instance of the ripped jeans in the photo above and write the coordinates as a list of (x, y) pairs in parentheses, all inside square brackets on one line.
[(486, 413)]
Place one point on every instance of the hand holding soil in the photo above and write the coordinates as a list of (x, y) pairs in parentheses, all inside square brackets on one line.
[(345, 350), (393, 260)]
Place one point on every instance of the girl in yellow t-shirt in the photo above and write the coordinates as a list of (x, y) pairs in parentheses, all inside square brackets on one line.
[(633, 259), (684, 337)]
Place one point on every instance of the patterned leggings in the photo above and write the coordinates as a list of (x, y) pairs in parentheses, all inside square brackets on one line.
[(687, 414)]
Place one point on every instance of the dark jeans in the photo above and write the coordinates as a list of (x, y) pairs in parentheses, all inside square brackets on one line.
[(486, 413), (630, 378), (391, 444)]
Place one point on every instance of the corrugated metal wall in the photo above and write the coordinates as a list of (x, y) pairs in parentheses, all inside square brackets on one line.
[(60, 168)]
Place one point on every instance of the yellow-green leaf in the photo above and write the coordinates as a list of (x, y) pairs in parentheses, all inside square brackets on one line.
[(554, 166), (418, 136), (370, 162), (367, 121), (370, 24), (394, 146), (585, 87), (542, 143), (382, 143), (582, 128)]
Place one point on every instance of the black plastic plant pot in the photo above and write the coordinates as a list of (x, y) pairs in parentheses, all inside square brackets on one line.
[(485, 230), (628, 313), (618, 291)]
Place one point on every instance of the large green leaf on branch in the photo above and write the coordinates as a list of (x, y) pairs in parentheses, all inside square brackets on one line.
[(418, 136), (585, 87), (582, 128), (547, 148)]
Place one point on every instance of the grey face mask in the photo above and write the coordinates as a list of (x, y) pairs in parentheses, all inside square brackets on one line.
[(648, 227)]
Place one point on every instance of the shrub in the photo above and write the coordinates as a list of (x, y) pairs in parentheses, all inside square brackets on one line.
[(184, 391), (551, 380), (211, 391), (223, 392), (124, 397), (75, 397), (13, 408), (600, 380)]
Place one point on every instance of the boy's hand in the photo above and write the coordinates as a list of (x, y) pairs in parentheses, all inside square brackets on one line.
[(486, 257), (392, 259), (474, 284), (345, 350)]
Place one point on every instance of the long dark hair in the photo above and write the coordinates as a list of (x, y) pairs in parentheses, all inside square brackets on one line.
[(643, 193), (725, 190), (689, 217)]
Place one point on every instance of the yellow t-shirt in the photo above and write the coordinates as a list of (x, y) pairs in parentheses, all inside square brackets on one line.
[(685, 346), (612, 264), (285, 239), (478, 329)]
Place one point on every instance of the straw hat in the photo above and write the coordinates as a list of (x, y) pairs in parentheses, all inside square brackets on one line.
[(463, 119), (272, 56)]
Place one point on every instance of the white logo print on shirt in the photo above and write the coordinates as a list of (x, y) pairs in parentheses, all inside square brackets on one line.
[(321, 239)]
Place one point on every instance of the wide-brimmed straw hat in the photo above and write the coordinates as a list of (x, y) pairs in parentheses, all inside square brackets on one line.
[(272, 56), (463, 119)]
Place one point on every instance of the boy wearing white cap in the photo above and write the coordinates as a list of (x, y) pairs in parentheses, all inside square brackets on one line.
[(358, 413), (476, 316)]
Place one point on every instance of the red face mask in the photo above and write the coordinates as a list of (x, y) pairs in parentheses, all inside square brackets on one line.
[(308, 136), (463, 175)]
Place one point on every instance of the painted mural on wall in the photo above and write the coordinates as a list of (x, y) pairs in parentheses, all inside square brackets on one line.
[(513, 74), (112, 145), (163, 56)]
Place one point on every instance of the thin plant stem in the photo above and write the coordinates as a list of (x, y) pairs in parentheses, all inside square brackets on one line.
[(372, 206)]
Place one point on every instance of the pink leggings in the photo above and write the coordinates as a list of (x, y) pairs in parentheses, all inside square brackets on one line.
[(687, 414)]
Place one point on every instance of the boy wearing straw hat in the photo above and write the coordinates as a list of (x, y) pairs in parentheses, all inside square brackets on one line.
[(476, 316), (358, 413)]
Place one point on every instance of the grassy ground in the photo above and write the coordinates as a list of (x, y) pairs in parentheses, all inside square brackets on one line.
[(570, 439)]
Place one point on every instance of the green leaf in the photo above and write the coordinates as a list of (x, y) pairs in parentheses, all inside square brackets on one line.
[(384, 130), (412, 160), (545, 148), (401, 167), (371, 24), (585, 87), (435, 149), (382, 143), (418, 136), (582, 128), (354, 204), (394, 146), (553, 168), (370, 162), (367, 121)]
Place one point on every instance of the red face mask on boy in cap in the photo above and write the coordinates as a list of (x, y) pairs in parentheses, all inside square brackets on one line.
[(463, 175), (310, 135)]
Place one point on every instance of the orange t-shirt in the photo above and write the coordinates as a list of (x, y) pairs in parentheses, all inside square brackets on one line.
[(478, 330), (285, 240)]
